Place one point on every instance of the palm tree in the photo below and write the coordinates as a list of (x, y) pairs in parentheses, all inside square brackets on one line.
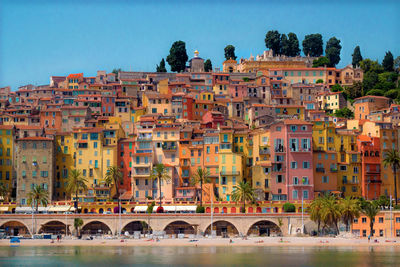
[(114, 176), (78, 222), (76, 182), (315, 211), (371, 209), (201, 176), (243, 192), (159, 172), (392, 158), (350, 208), (38, 195), (4, 192), (331, 213)]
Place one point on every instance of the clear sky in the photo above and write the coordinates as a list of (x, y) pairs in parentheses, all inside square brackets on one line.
[(43, 38)]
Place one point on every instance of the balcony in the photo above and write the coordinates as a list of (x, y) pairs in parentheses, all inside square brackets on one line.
[(374, 181), (333, 169), (301, 150), (144, 138), (264, 151), (229, 173), (280, 149), (320, 170), (169, 146)]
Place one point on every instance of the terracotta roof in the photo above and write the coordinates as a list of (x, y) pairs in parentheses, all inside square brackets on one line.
[(77, 75), (35, 138), (295, 121)]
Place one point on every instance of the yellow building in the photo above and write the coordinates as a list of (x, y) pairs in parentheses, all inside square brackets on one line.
[(331, 101), (65, 162), (261, 167), (7, 157), (289, 111), (136, 113)]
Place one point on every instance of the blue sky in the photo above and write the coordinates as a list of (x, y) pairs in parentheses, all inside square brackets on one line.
[(61, 37)]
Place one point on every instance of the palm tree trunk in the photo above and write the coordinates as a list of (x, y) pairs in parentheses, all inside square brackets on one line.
[(395, 183), (201, 192), (76, 201), (244, 205), (159, 183), (371, 225), (319, 228)]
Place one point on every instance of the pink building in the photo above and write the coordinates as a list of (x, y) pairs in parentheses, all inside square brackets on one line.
[(292, 160)]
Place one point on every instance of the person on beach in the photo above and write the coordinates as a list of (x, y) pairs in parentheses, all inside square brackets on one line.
[(369, 238)]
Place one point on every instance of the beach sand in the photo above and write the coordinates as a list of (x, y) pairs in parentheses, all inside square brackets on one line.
[(251, 241)]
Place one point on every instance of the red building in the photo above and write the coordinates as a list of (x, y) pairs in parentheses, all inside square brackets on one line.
[(126, 149), (187, 108), (370, 166), (213, 119)]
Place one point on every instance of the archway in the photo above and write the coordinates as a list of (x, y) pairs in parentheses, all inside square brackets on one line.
[(222, 228), (93, 210), (15, 228), (208, 210), (180, 227), (136, 226), (53, 227), (233, 210), (101, 211), (96, 227), (85, 210), (264, 228)]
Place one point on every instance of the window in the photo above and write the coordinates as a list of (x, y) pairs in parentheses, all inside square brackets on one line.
[(306, 165), (305, 194), (295, 180), (293, 165), (294, 194), (44, 174), (305, 180), (279, 178), (325, 179)]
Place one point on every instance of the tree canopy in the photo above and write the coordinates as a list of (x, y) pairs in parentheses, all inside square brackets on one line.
[(208, 65), (321, 62), (356, 57), (332, 51), (312, 45), (344, 113), (177, 56), (230, 52), (294, 49), (161, 67), (273, 41), (388, 62)]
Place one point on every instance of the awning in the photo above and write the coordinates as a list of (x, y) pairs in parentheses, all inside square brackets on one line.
[(29, 209), (59, 208), (140, 208), (186, 208), (3, 208)]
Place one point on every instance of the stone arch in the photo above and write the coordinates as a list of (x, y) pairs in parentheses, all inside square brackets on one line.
[(101, 211), (15, 227), (223, 228), (53, 227), (93, 226), (265, 228), (180, 227), (137, 225)]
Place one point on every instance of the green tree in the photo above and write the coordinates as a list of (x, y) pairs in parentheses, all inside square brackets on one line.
[(331, 213), (371, 209), (116, 71), (242, 193), (159, 173), (315, 211), (208, 65), (370, 65), (273, 41), (76, 182), (284, 45), (177, 56), (161, 67), (4, 192), (393, 93), (312, 45), (344, 113), (114, 176), (356, 57), (392, 159), (354, 91), (319, 81), (78, 222), (294, 49), (230, 52), (388, 62), (289, 207), (350, 209), (397, 64), (337, 88), (38, 195), (375, 92), (332, 51), (201, 176), (321, 62), (370, 80)]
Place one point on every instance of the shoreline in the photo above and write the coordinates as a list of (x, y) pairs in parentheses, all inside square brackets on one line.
[(216, 242)]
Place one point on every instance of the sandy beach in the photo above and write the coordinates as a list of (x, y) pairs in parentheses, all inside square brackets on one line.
[(252, 241)]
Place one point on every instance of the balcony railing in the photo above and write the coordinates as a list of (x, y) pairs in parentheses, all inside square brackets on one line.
[(320, 170), (228, 173), (169, 147), (301, 149), (264, 151), (280, 149), (333, 169)]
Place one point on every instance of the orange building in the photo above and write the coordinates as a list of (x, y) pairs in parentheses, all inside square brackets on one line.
[(363, 106), (387, 224), (371, 181), (51, 118)]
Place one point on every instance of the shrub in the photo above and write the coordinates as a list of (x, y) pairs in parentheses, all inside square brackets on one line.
[(289, 207), (160, 210), (397, 207), (242, 210), (200, 209), (376, 92), (319, 81)]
